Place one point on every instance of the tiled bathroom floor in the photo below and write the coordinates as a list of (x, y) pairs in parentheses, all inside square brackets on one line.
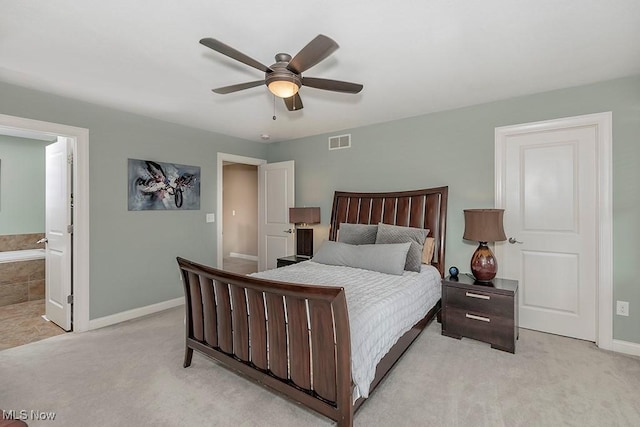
[(23, 323)]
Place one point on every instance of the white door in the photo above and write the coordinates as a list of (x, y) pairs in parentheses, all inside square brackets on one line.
[(276, 195), (547, 182), (57, 219)]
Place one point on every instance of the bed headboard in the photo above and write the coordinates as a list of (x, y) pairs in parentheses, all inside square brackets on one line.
[(418, 208)]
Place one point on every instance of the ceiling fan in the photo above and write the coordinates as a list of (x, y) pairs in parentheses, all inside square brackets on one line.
[(284, 77)]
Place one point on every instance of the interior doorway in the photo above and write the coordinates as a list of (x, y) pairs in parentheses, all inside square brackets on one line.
[(239, 173), (22, 248), (79, 140), (240, 217)]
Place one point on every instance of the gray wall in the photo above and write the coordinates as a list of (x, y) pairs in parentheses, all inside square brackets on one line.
[(133, 253), (456, 148), (453, 148), (21, 185)]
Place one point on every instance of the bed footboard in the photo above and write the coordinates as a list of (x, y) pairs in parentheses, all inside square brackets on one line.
[(290, 337)]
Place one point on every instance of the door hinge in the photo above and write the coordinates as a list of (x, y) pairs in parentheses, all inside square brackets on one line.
[(70, 159), (70, 228), (69, 299)]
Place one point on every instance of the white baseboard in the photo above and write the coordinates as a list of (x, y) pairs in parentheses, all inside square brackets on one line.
[(243, 256), (626, 347), (123, 316)]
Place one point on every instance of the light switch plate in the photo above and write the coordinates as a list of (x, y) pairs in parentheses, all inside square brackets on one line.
[(211, 217)]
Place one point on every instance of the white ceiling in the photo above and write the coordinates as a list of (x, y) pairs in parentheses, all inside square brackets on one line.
[(413, 57)]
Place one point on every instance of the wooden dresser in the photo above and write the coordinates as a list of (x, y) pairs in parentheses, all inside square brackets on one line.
[(485, 312)]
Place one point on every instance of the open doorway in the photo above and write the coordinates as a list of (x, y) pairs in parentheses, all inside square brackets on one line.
[(237, 213), (22, 247), (276, 194), (29, 130), (240, 217)]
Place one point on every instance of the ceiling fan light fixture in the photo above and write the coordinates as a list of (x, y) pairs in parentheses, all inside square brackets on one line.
[(284, 77), (284, 88)]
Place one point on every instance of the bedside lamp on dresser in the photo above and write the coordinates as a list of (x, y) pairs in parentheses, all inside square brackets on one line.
[(482, 307)]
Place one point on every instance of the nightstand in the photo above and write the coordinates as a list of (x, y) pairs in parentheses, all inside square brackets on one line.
[(485, 312), (288, 260)]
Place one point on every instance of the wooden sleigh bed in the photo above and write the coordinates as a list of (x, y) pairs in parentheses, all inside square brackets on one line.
[(295, 338)]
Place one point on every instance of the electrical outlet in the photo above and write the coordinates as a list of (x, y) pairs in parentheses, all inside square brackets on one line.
[(622, 308)]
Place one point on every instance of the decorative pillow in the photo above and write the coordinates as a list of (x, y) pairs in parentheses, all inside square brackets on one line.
[(388, 259), (357, 234), (396, 234), (427, 250)]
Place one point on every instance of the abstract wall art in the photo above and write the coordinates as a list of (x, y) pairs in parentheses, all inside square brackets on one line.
[(163, 186)]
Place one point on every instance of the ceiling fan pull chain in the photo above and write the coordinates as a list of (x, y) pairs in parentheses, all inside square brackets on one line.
[(274, 107)]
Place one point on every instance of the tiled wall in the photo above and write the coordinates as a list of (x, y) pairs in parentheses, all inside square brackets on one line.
[(18, 242), (21, 281)]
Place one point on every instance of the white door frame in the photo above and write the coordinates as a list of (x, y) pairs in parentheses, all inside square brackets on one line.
[(18, 126), (604, 209), (224, 157)]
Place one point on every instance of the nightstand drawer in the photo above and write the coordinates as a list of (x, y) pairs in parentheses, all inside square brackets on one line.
[(497, 330), (476, 301)]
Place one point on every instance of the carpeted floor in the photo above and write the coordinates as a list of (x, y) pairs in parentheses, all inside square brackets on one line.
[(131, 374)]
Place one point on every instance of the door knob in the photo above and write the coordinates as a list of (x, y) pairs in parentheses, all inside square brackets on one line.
[(288, 231), (512, 241)]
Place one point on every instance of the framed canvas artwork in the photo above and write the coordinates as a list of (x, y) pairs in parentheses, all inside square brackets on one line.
[(163, 186)]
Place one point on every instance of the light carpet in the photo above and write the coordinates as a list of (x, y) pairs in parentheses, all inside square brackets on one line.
[(131, 374)]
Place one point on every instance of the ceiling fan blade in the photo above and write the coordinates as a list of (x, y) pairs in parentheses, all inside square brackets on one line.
[(240, 86), (314, 52), (293, 103), (227, 50), (333, 85)]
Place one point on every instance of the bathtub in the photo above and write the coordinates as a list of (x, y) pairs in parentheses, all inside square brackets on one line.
[(24, 255)]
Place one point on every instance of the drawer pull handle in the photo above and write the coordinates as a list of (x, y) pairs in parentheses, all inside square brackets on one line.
[(474, 317), (472, 295)]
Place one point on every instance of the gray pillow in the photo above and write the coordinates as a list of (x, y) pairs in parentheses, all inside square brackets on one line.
[(357, 234), (396, 234), (388, 259)]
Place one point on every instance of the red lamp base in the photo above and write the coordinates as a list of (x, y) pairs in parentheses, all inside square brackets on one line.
[(483, 264)]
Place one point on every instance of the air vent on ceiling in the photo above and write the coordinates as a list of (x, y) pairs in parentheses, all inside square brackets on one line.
[(339, 141)]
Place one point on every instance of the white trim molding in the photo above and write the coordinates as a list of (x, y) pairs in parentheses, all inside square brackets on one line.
[(28, 128), (603, 124), (626, 347), (243, 256), (123, 316)]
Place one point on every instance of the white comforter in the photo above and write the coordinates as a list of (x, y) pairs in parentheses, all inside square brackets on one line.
[(382, 307)]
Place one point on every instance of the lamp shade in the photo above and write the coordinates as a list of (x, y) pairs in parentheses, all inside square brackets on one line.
[(283, 88), (304, 215), (484, 225)]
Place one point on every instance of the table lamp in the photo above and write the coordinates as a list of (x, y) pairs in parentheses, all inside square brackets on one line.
[(484, 225), (304, 235)]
